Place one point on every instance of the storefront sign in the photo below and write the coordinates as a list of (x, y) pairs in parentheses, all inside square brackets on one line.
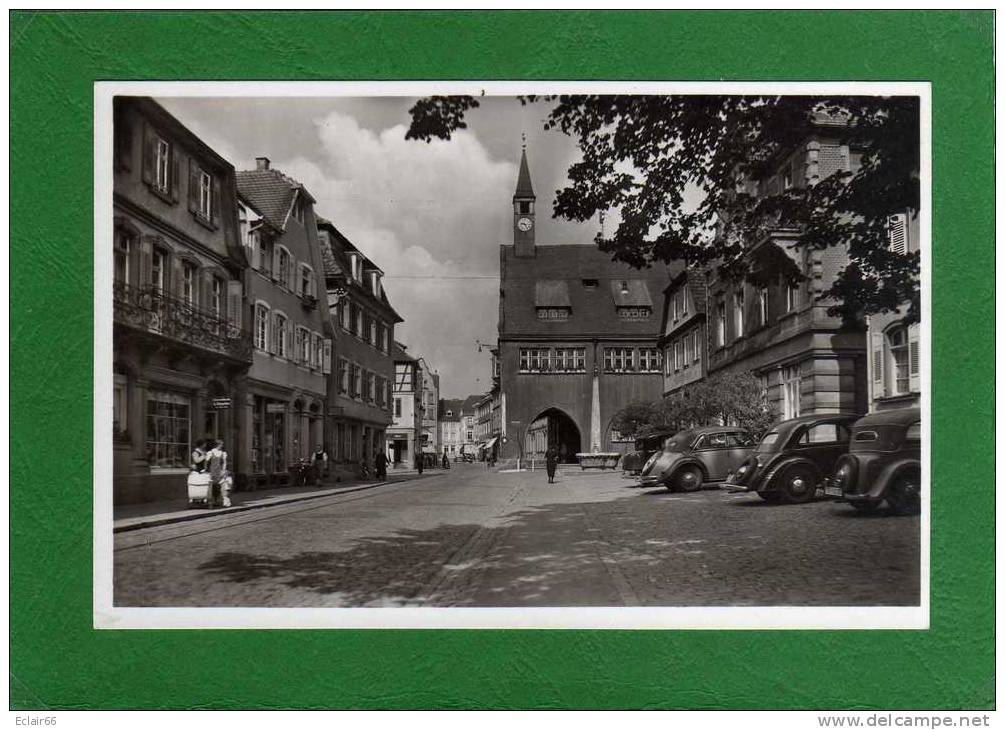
[(275, 407), (222, 403)]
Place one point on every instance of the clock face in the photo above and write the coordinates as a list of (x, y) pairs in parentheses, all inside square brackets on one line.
[(525, 224)]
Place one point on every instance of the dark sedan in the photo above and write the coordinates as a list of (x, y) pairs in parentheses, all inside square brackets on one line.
[(697, 456), (794, 458), (883, 463)]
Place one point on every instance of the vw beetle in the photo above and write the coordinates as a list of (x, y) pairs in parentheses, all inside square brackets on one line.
[(696, 456), (794, 457), (883, 463)]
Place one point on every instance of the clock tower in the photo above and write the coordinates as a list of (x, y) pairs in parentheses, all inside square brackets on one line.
[(524, 225)]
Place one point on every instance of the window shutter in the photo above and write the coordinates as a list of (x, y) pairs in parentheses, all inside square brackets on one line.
[(175, 285), (149, 153), (217, 210), (146, 263), (897, 227), (234, 302), (175, 166), (878, 378), (275, 261), (291, 275), (206, 291), (915, 369), (272, 325), (193, 185), (290, 339), (256, 252)]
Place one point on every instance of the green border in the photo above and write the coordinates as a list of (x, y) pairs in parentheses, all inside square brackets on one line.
[(58, 661)]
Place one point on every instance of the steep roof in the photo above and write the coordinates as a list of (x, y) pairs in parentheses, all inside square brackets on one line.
[(270, 191), (398, 353), (454, 405), (524, 189), (593, 285)]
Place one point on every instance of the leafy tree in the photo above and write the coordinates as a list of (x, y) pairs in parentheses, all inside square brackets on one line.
[(636, 419), (647, 155)]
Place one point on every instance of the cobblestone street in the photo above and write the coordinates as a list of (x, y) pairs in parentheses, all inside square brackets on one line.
[(472, 537)]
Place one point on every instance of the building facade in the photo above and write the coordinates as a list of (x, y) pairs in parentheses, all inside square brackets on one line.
[(181, 347), (894, 363), (577, 340), (360, 389), (458, 421), (404, 436), (429, 398), (683, 343), (282, 412), (773, 323)]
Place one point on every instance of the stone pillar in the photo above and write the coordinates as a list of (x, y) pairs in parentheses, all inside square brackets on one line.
[(243, 407), (595, 430), (138, 421)]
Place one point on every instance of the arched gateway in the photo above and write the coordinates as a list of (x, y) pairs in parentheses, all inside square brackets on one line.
[(556, 428)]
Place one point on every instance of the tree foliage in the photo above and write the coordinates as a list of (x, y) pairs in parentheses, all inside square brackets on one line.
[(650, 157), (736, 399)]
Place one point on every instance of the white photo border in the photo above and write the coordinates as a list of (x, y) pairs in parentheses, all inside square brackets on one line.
[(108, 616)]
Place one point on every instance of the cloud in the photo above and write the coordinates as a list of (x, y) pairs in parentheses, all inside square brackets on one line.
[(432, 217)]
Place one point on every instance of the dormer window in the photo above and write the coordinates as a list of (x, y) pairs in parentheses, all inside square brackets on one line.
[(356, 266), (637, 312), (591, 283), (553, 312), (298, 210), (375, 283)]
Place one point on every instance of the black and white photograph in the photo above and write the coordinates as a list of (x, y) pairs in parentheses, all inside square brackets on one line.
[(557, 355)]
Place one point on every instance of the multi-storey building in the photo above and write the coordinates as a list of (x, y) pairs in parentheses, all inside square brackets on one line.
[(774, 324), (451, 426), (360, 389), (894, 365), (282, 410), (683, 342), (577, 340), (404, 436), (180, 347), (429, 397)]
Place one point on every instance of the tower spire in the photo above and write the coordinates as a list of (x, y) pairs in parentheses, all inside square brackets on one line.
[(524, 189)]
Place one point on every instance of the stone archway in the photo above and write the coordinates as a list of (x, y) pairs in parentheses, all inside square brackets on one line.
[(553, 428)]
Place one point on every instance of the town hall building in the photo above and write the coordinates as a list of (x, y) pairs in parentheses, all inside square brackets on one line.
[(577, 340)]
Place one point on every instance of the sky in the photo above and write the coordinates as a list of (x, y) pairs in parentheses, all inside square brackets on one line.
[(430, 215)]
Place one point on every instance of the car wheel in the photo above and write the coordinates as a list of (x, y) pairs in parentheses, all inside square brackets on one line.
[(772, 497), (799, 484), (688, 479), (903, 496)]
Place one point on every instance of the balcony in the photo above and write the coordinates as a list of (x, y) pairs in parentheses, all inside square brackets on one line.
[(151, 311)]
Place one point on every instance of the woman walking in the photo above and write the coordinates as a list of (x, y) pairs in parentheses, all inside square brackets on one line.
[(551, 463)]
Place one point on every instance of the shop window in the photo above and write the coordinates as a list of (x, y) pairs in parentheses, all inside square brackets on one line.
[(168, 432)]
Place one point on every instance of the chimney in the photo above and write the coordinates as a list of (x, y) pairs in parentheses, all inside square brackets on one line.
[(261, 163)]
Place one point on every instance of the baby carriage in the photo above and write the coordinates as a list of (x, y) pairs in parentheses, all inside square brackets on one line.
[(200, 489)]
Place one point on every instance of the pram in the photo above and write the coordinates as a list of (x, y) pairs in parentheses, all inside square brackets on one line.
[(200, 489)]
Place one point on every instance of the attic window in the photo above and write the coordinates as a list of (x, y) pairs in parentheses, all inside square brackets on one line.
[(624, 286), (635, 312), (591, 283), (553, 312)]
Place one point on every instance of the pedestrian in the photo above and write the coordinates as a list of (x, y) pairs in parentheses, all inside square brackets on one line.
[(446, 461), (199, 456), (319, 464), (418, 462), (380, 466), (551, 463), (220, 480)]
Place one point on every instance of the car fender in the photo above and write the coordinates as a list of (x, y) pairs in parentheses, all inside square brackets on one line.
[(681, 463), (770, 480), (877, 490)]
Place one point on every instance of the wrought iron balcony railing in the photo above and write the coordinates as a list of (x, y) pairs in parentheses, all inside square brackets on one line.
[(151, 310)]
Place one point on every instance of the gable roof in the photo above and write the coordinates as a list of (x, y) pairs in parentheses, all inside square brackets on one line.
[(271, 192), (591, 283)]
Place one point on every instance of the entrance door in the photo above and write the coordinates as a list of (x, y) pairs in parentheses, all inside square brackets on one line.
[(562, 435)]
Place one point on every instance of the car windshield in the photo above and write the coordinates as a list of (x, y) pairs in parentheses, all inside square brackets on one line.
[(769, 442)]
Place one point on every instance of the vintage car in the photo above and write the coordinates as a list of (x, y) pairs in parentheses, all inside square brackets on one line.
[(645, 446), (794, 457), (697, 456), (883, 463)]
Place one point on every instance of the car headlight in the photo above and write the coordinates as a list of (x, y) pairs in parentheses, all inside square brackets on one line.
[(841, 476), (742, 470)]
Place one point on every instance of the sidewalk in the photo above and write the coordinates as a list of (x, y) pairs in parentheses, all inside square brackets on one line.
[(136, 516)]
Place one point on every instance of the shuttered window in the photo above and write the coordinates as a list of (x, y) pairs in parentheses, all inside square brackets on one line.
[(897, 228)]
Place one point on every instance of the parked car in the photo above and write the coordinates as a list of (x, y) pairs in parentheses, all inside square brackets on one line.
[(883, 463), (794, 457), (697, 456), (645, 446)]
